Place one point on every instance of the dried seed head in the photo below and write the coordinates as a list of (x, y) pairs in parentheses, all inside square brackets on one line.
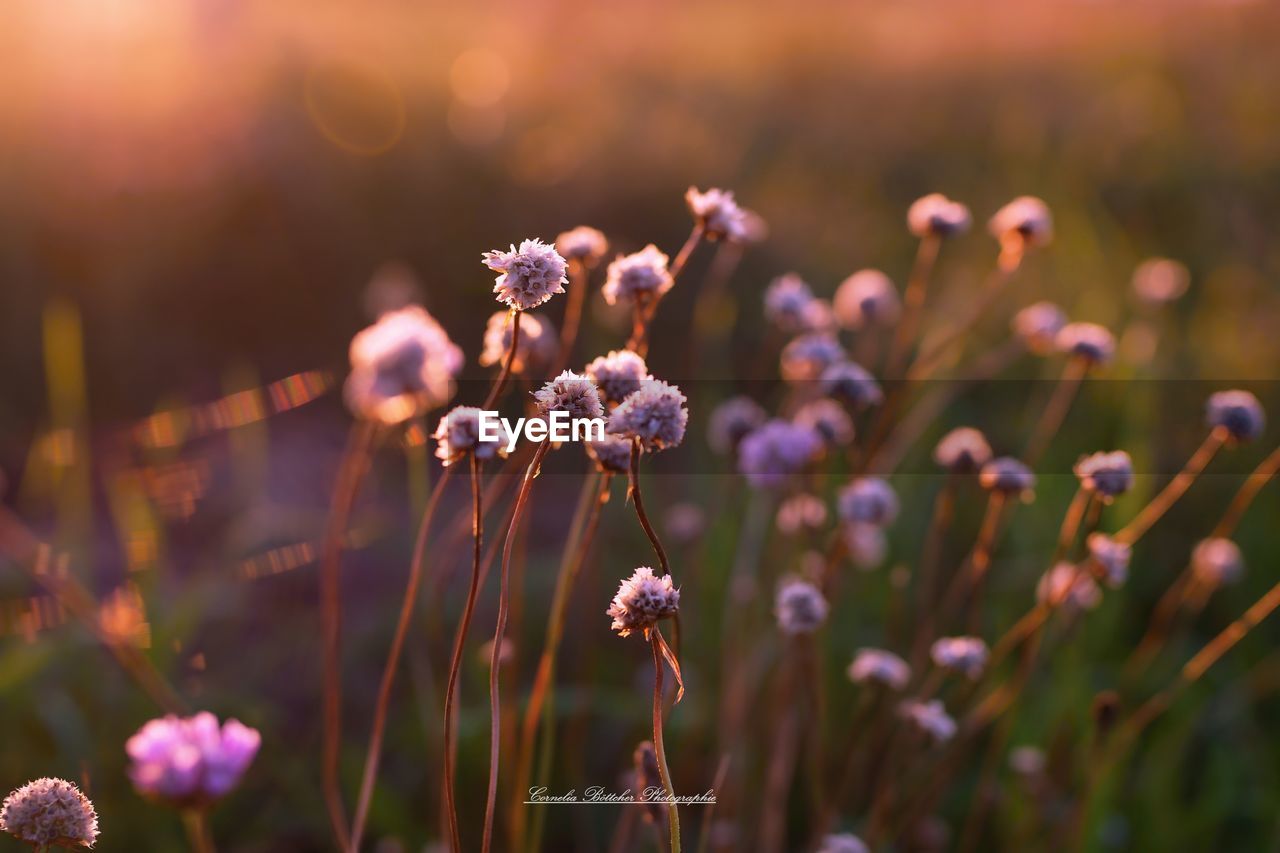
[(657, 414), (964, 450), (732, 421), (866, 299), (868, 500), (930, 717), (1159, 281), (937, 215), (458, 433), (790, 305), (718, 213), (1217, 561), (799, 606), (1239, 412), (1008, 475), (867, 545), (829, 419), (843, 842), (611, 454), (536, 350), (801, 512), (401, 366), (618, 375), (190, 761), (966, 655), (852, 384), (1088, 341), (639, 277), (50, 812), (1026, 220), (1107, 475), (570, 392), (1038, 325), (582, 244), (775, 452), (641, 601), (1111, 557), (807, 357), (877, 666), (1067, 586), (528, 276)]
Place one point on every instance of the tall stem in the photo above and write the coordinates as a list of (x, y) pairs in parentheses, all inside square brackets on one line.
[(930, 555), (1259, 478), (196, 822), (928, 358), (633, 485), (499, 632), (495, 391), (578, 278), (1055, 411), (350, 474), (1160, 504), (673, 812), (912, 303)]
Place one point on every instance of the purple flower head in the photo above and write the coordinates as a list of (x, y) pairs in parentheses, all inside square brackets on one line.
[(718, 213), (1158, 281), (529, 276), (657, 414), (877, 666), (829, 419), (867, 544), (775, 452), (1008, 475), (807, 357), (843, 842), (801, 512), (929, 717), (458, 433), (851, 383), (49, 813), (1239, 412), (611, 454), (1026, 219), (799, 606), (1065, 585), (937, 215), (1217, 561), (1038, 325), (865, 299), (684, 522), (570, 392), (190, 761), (966, 655), (964, 450), (618, 375), (639, 277), (868, 500), (534, 353), (1089, 341), (401, 366), (789, 305), (731, 421), (582, 244), (1107, 475), (1111, 557), (641, 601)]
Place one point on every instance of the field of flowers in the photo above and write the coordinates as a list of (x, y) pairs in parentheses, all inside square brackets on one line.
[(933, 349)]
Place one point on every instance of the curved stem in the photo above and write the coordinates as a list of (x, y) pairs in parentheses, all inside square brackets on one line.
[(408, 605), (350, 474), (1160, 504), (1235, 511), (578, 279), (673, 813), (928, 358), (499, 632), (1055, 411), (912, 303), (496, 390), (633, 488)]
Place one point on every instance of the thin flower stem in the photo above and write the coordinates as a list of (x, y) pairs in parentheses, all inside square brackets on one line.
[(673, 812), (408, 606), (1240, 503), (644, 312), (913, 303), (967, 581), (196, 822), (1055, 411), (930, 556), (633, 487), (1176, 487), (704, 836), (579, 277), (495, 391), (351, 473), (1071, 522), (596, 491), (499, 632)]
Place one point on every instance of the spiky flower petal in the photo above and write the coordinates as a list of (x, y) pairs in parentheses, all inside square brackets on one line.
[(529, 275), (50, 812)]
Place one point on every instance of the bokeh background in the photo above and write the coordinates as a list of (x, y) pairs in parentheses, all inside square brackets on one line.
[(195, 197)]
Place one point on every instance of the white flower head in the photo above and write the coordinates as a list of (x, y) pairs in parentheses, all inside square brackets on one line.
[(639, 277), (528, 276), (401, 366), (718, 213)]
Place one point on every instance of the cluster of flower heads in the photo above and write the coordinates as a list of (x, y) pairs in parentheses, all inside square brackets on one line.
[(190, 761), (50, 813)]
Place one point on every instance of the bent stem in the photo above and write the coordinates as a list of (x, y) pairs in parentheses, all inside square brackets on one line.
[(633, 490), (1160, 504), (351, 470), (495, 391), (673, 812), (495, 654)]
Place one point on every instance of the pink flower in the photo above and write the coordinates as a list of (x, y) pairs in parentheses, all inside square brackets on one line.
[(192, 760)]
